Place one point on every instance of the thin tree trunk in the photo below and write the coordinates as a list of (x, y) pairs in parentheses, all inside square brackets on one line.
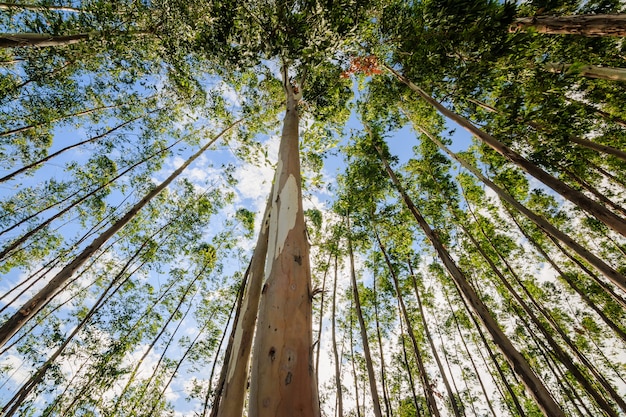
[(585, 25), (17, 242), (595, 209), (236, 382), (321, 321), (38, 8), (31, 307), (601, 197), (613, 275), (40, 40), (428, 387), (339, 389), (588, 71), (236, 308), (451, 396), (77, 114), (67, 148), (354, 373), (418, 410), (282, 378), (38, 376), (364, 339), (476, 372), (534, 385), (388, 411), (618, 153)]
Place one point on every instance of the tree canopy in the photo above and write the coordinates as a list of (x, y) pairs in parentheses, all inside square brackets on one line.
[(298, 207)]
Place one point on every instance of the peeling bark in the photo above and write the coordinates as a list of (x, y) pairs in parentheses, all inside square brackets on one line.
[(585, 25), (282, 377)]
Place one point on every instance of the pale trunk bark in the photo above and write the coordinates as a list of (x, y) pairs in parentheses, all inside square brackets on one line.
[(586, 25), (534, 385), (40, 40), (31, 307), (579, 199), (282, 377), (38, 8), (339, 389), (364, 339), (236, 381)]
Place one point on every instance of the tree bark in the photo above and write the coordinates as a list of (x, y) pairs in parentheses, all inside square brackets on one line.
[(585, 25), (520, 365), (364, 339), (338, 386), (31, 307), (588, 71), (38, 8), (578, 198), (236, 382), (283, 379), (431, 402), (40, 40)]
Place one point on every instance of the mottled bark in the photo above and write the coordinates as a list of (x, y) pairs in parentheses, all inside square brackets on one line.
[(282, 377), (236, 381), (586, 25)]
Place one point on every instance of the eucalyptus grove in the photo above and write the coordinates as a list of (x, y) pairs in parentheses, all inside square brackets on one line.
[(144, 144)]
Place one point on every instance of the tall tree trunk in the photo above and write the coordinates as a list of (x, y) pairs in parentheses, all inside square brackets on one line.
[(586, 24), (388, 410), (354, 373), (588, 71), (40, 40), (578, 198), (338, 387), (520, 365), (31, 307), (405, 356), (236, 382), (431, 343), (428, 387), (283, 379), (364, 339), (38, 8), (613, 275)]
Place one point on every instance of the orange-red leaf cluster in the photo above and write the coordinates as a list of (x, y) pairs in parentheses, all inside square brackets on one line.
[(367, 65)]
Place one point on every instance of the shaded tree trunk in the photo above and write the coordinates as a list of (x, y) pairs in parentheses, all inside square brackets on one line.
[(236, 382), (586, 25), (588, 71), (363, 329)]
